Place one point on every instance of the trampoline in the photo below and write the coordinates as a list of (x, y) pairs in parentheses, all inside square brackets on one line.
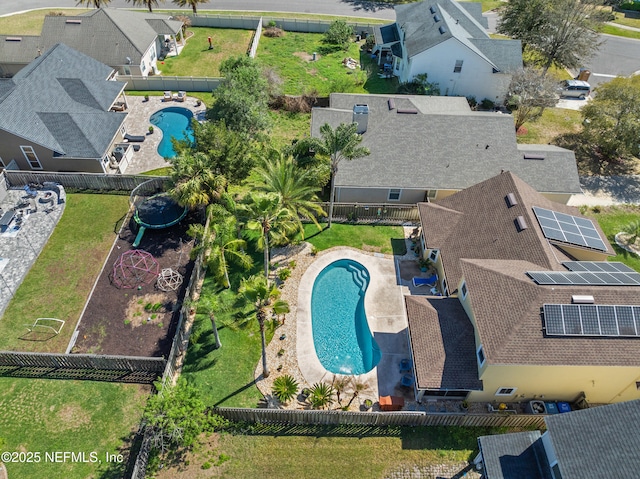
[(157, 212)]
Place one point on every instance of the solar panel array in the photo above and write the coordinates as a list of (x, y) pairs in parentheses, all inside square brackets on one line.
[(591, 320), (569, 229), (585, 278), (606, 266)]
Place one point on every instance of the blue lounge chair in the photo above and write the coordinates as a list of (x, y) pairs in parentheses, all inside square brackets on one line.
[(407, 380), (405, 365), (430, 281)]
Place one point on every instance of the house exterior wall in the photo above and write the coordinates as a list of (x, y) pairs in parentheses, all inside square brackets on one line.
[(377, 195), (475, 79), (562, 198), (581, 254), (601, 384)]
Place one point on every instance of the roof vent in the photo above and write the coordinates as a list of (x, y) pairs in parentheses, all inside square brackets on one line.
[(436, 18), (442, 30), (521, 224), (582, 299), (407, 111), (511, 200), (391, 103), (534, 156), (74, 21), (13, 39), (361, 117), (432, 9)]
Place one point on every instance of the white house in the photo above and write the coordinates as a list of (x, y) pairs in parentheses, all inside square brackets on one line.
[(448, 41)]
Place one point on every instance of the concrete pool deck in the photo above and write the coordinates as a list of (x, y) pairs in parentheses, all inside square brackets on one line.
[(384, 307)]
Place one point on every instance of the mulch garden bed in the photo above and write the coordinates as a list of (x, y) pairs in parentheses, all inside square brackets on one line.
[(138, 321)]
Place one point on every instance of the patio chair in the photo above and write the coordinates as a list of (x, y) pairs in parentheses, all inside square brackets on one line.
[(430, 281), (134, 138), (30, 192), (182, 96), (407, 381), (168, 96), (405, 365)]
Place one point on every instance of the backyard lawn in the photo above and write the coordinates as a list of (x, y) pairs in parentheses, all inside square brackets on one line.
[(49, 415), (554, 122), (58, 284), (381, 239)]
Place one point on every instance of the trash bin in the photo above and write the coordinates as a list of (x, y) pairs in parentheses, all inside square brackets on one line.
[(584, 74)]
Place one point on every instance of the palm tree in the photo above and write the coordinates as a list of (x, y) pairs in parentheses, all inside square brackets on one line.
[(190, 3), (269, 219), (210, 305), (219, 244), (296, 186), (633, 230), (339, 144), (94, 3), (195, 182), (262, 295), (145, 3)]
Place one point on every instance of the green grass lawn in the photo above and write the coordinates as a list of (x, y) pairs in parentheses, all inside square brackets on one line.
[(554, 122), (48, 415), (288, 126), (489, 4), (627, 21), (611, 220), (619, 32), (365, 237), (197, 60), (58, 284), (30, 23)]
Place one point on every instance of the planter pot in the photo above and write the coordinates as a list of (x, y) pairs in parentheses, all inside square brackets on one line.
[(423, 269)]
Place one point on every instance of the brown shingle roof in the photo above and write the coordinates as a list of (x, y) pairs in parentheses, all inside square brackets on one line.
[(477, 223), (442, 343), (507, 309)]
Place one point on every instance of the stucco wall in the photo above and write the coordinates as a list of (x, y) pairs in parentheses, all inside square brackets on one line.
[(562, 198), (377, 195)]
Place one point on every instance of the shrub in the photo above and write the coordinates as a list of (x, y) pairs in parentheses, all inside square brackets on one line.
[(473, 103), (635, 6), (273, 32), (321, 396), (285, 388), (338, 35), (284, 274), (292, 264), (487, 104)]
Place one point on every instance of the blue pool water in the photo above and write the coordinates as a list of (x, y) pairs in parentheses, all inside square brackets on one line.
[(174, 122), (344, 344)]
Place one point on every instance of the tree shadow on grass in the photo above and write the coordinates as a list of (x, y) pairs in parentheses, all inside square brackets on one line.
[(236, 392), (116, 468), (372, 6)]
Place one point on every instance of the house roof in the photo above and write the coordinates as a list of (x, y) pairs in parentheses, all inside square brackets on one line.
[(106, 34), (518, 455), (385, 34), (61, 101), (597, 442), (498, 288), (443, 146), (19, 48), (442, 343)]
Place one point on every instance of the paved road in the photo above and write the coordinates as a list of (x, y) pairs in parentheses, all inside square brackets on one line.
[(358, 8), (617, 56)]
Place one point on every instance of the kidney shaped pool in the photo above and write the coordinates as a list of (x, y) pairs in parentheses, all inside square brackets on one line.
[(175, 122)]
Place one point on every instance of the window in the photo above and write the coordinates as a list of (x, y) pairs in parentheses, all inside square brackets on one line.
[(445, 289), (30, 155), (556, 471), (506, 391), (431, 194), (480, 354), (433, 256), (463, 290), (458, 67), (394, 194)]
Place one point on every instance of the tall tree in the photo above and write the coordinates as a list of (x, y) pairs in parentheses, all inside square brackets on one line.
[(263, 296), (267, 218), (145, 3), (296, 186), (219, 244), (343, 143), (611, 120), (529, 94), (210, 306), (193, 4), (563, 32), (93, 3), (196, 182)]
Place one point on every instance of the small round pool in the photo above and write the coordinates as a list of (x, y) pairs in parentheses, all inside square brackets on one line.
[(175, 122), (341, 336)]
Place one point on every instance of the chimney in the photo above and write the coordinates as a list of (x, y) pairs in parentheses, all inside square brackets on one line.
[(361, 117)]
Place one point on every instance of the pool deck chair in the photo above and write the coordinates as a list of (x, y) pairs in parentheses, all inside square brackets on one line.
[(134, 138), (430, 281), (405, 365), (168, 96), (182, 96), (407, 380)]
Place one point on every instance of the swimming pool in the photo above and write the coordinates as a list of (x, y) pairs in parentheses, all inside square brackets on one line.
[(341, 336), (174, 122)]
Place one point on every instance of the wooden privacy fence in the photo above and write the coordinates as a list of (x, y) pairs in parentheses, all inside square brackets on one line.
[(384, 214), (402, 418), (81, 181), (125, 369)]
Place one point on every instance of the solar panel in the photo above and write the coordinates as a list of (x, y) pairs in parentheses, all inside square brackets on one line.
[(610, 266), (586, 278), (592, 320), (569, 229)]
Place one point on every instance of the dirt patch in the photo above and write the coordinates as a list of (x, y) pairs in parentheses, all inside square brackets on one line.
[(371, 249), (140, 321), (72, 416), (205, 460), (305, 56)]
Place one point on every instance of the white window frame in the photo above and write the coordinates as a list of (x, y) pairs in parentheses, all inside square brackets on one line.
[(480, 351), (394, 191), (499, 393), (464, 290), (553, 465), (458, 66), (29, 149), (445, 287), (434, 257)]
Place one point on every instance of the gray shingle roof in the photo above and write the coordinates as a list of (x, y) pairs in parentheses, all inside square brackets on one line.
[(60, 101), (444, 146), (505, 54), (22, 51), (442, 344), (597, 442), (517, 455)]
